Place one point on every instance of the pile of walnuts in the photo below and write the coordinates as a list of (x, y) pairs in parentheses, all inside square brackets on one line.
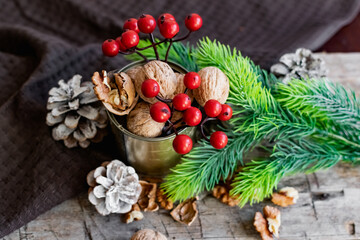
[(158, 100)]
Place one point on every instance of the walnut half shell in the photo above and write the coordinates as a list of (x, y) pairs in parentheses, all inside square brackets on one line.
[(186, 212), (118, 95)]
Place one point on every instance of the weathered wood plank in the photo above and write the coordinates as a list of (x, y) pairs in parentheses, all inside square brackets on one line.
[(328, 207)]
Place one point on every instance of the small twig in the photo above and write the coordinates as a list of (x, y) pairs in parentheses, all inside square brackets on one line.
[(154, 46), (186, 90), (141, 55), (151, 45), (168, 50), (171, 125), (183, 38), (163, 99), (202, 127)]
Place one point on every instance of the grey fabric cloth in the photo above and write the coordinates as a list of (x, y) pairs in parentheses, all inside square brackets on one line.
[(44, 41)]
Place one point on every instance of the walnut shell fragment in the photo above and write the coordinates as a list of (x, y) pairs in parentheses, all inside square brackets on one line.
[(148, 234), (160, 72), (141, 123), (285, 197), (135, 214), (147, 198), (272, 215), (260, 225), (165, 203), (118, 94), (186, 212), (214, 85), (223, 194)]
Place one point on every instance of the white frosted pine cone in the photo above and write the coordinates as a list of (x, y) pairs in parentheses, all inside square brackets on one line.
[(114, 187), (75, 113), (302, 64)]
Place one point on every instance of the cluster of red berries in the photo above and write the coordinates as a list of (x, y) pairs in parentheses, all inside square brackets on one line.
[(129, 39), (192, 116)]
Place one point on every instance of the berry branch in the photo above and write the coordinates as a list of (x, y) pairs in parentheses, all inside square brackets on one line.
[(127, 43)]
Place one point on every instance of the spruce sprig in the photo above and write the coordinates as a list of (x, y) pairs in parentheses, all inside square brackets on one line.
[(306, 126)]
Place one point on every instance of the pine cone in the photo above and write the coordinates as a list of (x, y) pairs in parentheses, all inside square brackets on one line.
[(114, 187), (302, 64), (77, 113)]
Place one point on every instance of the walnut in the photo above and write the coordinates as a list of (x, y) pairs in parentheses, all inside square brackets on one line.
[(285, 197), (165, 203), (273, 218), (162, 73), (148, 234), (132, 72), (260, 224), (118, 95), (134, 214), (148, 196), (222, 193), (214, 85), (186, 212), (140, 122)]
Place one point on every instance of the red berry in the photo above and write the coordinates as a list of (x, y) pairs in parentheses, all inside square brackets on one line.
[(130, 39), (182, 144), (131, 24), (212, 108), (193, 22), (226, 113), (218, 139), (192, 116), (146, 23), (181, 102), (192, 80), (110, 48), (121, 46), (163, 17), (169, 28), (160, 112), (150, 88)]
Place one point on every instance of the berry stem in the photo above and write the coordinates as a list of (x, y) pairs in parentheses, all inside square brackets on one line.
[(163, 99), (154, 46), (141, 55), (172, 125), (202, 127), (168, 50), (183, 38)]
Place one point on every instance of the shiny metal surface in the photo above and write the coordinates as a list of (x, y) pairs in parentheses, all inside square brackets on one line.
[(150, 156)]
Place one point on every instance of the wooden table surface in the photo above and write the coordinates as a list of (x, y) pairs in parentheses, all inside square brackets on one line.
[(328, 207)]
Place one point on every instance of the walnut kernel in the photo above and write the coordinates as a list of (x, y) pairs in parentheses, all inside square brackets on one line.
[(285, 197), (134, 215), (165, 203)]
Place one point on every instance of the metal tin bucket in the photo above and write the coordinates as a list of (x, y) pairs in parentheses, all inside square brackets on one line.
[(149, 156)]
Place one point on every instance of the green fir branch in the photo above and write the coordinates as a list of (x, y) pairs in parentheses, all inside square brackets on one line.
[(205, 166), (306, 126)]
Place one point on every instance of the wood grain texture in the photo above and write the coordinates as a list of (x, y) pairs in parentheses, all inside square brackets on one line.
[(328, 207)]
